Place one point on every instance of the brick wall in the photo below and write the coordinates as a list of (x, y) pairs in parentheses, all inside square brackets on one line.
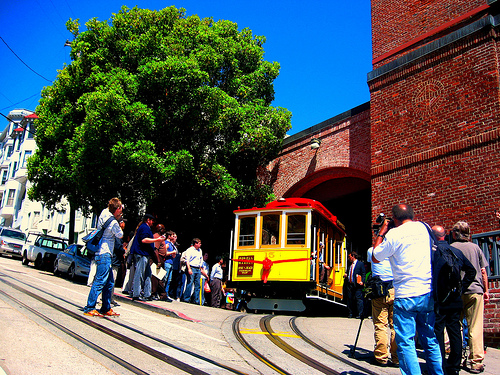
[(435, 135), (492, 316), (344, 152), (435, 114), (397, 22)]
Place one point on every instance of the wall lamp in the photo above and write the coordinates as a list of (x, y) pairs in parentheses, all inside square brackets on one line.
[(315, 143)]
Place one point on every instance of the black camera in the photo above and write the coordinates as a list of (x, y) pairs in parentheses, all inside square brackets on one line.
[(380, 220)]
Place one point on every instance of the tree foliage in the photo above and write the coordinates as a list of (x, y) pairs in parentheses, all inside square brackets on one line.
[(161, 109)]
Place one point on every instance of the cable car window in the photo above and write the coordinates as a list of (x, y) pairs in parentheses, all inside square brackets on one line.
[(338, 252), (271, 229), (296, 230), (247, 231)]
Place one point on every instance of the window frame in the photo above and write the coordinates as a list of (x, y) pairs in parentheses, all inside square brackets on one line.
[(305, 216), (280, 237), (240, 218)]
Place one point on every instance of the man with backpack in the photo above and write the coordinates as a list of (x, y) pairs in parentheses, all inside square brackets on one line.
[(475, 295), (448, 286), (408, 247)]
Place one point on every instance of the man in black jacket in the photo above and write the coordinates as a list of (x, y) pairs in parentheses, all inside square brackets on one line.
[(355, 278), (448, 314)]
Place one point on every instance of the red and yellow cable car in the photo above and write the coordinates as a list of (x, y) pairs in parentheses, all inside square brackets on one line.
[(291, 249)]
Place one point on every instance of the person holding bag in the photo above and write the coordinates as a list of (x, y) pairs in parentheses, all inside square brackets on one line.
[(103, 280)]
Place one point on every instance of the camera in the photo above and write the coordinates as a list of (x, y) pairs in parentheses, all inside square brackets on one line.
[(380, 220)]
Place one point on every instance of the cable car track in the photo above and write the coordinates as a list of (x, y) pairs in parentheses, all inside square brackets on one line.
[(112, 333), (296, 330), (308, 360)]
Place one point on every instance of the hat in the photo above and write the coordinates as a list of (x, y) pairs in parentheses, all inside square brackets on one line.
[(148, 216)]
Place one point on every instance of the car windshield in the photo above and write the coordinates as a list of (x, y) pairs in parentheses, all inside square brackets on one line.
[(14, 234)]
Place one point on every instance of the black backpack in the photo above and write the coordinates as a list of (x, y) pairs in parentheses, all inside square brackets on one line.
[(449, 281), (446, 276)]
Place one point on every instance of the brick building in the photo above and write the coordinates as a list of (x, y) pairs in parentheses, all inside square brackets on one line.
[(429, 136)]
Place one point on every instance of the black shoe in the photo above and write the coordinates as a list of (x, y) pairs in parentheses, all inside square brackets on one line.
[(378, 363), (477, 370), (150, 298), (392, 364), (142, 299)]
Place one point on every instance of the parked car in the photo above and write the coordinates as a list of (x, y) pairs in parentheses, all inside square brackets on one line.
[(75, 261), (12, 242), (43, 250)]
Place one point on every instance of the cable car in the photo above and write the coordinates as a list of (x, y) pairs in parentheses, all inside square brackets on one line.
[(291, 249)]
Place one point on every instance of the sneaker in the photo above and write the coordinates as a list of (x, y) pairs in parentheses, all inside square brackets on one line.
[(111, 313), (92, 313)]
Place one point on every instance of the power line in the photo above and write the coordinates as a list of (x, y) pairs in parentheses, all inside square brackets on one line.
[(12, 105), (48, 80)]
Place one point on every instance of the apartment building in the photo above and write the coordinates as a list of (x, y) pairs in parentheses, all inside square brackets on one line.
[(17, 144)]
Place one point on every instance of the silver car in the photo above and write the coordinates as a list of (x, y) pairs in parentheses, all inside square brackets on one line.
[(11, 242), (75, 261)]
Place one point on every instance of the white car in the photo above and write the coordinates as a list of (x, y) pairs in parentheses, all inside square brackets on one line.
[(43, 250), (12, 242)]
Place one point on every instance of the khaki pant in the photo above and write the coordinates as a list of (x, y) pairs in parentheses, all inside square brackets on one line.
[(474, 314), (382, 318)]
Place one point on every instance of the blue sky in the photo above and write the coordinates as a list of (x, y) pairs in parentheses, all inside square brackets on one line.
[(323, 47)]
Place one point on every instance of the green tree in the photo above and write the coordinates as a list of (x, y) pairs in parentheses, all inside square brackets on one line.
[(164, 110)]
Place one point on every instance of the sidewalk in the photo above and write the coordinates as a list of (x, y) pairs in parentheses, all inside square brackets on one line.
[(336, 334)]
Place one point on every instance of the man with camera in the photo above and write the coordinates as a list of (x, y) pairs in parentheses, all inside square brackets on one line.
[(407, 246)]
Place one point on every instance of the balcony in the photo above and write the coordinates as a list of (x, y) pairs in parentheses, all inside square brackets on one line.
[(21, 175), (7, 212)]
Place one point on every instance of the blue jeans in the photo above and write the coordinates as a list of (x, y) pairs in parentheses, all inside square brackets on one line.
[(168, 277), (416, 313), (142, 276), (103, 283), (191, 280)]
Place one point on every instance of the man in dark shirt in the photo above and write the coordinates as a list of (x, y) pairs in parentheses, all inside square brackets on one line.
[(355, 278), (142, 250), (448, 314)]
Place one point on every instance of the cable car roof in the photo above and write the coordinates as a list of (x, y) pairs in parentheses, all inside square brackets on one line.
[(291, 203)]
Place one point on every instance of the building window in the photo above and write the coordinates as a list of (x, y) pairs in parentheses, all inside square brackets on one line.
[(36, 220), (10, 197), (31, 131), (14, 169), (20, 140), (27, 154), (5, 173), (10, 150)]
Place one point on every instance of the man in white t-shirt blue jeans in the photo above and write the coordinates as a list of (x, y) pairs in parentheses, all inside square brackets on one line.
[(408, 248)]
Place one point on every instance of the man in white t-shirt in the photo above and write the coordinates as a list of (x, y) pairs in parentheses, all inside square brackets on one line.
[(408, 248)]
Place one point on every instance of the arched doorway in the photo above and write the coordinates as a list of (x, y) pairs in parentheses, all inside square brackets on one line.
[(347, 194)]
